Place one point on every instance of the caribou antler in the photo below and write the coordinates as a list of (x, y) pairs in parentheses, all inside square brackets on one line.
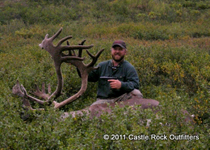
[(58, 58), (84, 70), (20, 91)]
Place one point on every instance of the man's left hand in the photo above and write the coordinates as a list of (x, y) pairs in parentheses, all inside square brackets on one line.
[(115, 84)]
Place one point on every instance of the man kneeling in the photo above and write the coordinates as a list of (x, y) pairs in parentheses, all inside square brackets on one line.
[(117, 78)]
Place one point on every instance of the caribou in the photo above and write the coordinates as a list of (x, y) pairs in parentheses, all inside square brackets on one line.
[(66, 54)]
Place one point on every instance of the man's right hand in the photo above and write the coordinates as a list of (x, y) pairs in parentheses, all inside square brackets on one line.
[(115, 84)]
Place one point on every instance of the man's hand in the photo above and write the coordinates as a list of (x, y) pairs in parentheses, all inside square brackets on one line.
[(115, 84)]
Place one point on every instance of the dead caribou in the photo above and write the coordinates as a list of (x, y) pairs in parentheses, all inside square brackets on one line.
[(58, 56)]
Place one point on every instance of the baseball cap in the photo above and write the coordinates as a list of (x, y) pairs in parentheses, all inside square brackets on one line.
[(119, 43)]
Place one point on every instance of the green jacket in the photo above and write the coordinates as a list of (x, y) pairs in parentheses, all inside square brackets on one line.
[(125, 72)]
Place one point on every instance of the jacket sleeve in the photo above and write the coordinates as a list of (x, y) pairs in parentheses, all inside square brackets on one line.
[(94, 75), (131, 81)]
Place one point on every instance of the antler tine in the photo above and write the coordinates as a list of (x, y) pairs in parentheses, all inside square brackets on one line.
[(36, 90), (37, 87), (42, 94), (82, 43), (16, 90), (80, 50), (56, 34), (70, 53), (49, 89), (63, 40), (67, 59), (43, 87), (76, 47), (46, 36), (95, 58)]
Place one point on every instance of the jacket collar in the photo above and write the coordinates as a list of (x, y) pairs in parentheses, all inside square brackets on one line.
[(111, 64)]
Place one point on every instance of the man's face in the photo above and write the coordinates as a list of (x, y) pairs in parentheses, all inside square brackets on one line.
[(118, 53)]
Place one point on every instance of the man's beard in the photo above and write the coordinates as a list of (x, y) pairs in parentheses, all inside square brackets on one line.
[(118, 60)]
